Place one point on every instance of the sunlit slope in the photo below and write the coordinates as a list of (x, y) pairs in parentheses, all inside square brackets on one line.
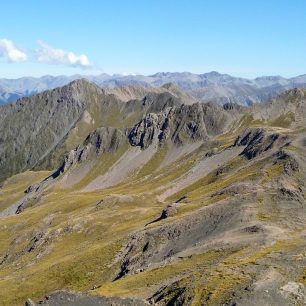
[(194, 205)]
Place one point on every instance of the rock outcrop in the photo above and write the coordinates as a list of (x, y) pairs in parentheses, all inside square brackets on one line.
[(104, 139), (152, 127), (258, 141), (183, 124)]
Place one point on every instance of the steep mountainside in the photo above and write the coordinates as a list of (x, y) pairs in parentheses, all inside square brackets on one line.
[(37, 131), (151, 200), (32, 127), (212, 86)]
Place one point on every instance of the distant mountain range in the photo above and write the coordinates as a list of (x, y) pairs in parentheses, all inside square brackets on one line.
[(212, 86)]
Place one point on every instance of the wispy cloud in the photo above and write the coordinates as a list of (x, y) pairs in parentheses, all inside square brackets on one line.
[(11, 52), (45, 54), (50, 55)]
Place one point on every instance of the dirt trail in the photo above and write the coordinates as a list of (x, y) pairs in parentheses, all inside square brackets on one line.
[(200, 170)]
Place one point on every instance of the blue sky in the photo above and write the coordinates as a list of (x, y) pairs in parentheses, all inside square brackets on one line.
[(243, 38)]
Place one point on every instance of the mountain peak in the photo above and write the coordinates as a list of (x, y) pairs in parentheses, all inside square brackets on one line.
[(170, 85), (212, 73), (83, 83)]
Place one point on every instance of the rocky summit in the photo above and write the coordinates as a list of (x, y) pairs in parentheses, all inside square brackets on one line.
[(141, 195)]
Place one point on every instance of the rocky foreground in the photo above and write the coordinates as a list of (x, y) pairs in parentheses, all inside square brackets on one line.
[(69, 298)]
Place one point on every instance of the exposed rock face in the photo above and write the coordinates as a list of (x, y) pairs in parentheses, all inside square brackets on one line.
[(29, 302), (258, 141), (189, 124), (152, 126), (169, 211), (294, 291), (249, 135), (102, 140), (199, 121), (174, 294), (291, 165), (183, 124)]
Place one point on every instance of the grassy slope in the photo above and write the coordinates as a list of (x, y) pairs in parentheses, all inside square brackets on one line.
[(13, 188), (82, 239)]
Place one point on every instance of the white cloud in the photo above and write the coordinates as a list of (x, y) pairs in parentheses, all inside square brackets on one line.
[(50, 55), (45, 54), (11, 52)]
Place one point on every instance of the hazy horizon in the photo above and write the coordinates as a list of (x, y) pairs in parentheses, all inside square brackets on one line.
[(148, 75)]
